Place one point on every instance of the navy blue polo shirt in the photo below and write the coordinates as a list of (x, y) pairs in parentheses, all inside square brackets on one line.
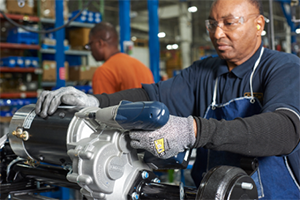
[(275, 83)]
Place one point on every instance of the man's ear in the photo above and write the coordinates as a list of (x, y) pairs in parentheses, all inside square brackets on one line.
[(260, 24)]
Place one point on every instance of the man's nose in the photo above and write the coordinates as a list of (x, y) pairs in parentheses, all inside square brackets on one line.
[(219, 33)]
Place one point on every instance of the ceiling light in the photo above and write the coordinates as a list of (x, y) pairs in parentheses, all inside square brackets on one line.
[(161, 34), (263, 33), (192, 9), (298, 31)]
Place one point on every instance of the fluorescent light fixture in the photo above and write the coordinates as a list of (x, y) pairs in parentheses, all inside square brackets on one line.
[(192, 9), (161, 34), (263, 33), (298, 31), (133, 38)]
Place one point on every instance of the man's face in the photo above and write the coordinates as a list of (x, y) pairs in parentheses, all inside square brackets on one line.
[(95, 47), (239, 44)]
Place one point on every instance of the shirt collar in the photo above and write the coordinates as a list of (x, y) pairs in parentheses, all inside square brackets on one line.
[(242, 69)]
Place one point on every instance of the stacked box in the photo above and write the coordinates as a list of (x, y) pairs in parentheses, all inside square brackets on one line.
[(13, 7), (49, 71), (48, 9), (79, 37), (81, 73)]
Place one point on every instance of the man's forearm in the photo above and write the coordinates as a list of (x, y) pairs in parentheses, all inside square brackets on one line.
[(266, 134), (137, 94)]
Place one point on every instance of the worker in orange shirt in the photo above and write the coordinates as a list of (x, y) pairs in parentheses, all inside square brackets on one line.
[(119, 71)]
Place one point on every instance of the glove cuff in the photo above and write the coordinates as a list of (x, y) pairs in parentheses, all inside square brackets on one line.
[(191, 134)]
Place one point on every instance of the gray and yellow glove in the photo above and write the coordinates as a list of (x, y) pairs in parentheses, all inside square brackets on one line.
[(49, 100), (175, 136)]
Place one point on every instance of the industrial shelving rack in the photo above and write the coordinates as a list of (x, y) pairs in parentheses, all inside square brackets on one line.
[(38, 71)]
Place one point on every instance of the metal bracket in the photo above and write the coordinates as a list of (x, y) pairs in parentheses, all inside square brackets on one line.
[(3, 140)]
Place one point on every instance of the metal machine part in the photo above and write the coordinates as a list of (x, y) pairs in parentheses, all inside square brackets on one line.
[(79, 152)]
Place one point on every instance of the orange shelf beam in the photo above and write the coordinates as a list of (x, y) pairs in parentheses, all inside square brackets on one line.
[(5, 45), (19, 69), (15, 95), (21, 17)]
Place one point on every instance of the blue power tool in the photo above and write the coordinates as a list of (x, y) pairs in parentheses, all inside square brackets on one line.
[(145, 115)]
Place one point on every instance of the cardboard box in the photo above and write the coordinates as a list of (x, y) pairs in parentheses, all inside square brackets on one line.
[(13, 7), (48, 9), (81, 73), (78, 37), (49, 71)]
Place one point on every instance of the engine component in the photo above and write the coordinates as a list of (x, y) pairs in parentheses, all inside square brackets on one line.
[(74, 148)]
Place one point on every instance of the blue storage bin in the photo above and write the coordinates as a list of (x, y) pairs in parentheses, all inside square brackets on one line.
[(90, 19), (85, 88), (20, 36), (17, 102), (31, 61), (82, 17), (12, 61), (10, 106), (97, 17), (47, 46), (73, 60)]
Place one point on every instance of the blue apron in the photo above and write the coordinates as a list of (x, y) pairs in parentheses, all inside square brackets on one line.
[(270, 170)]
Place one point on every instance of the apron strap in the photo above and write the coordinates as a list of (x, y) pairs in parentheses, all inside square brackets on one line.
[(251, 77), (215, 94)]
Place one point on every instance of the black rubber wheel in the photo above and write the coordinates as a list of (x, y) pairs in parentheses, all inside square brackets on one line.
[(227, 182)]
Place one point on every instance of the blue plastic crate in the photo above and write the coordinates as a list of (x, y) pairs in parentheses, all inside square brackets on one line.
[(20, 36), (82, 17), (85, 88), (90, 19), (31, 62), (12, 61), (47, 46), (97, 17), (17, 102)]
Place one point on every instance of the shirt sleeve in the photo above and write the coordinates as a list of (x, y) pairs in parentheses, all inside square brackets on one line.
[(172, 91), (136, 94), (266, 134), (282, 84)]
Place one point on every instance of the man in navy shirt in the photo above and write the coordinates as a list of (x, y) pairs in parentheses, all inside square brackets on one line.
[(243, 103)]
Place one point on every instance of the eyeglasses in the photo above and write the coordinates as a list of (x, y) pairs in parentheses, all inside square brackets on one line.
[(88, 45), (227, 24)]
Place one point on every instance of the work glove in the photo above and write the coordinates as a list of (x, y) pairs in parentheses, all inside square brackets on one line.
[(175, 136), (48, 101)]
